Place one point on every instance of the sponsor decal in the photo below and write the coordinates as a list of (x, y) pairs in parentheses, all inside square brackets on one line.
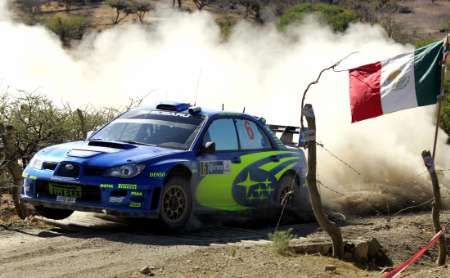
[(218, 167), (32, 177), (116, 200), (127, 186), (66, 200), (135, 204), (157, 174), (137, 193), (106, 186), (168, 113), (64, 190)]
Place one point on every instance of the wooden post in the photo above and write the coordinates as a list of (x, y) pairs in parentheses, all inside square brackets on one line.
[(429, 160), (429, 163), (82, 123), (439, 108), (322, 219), (14, 169)]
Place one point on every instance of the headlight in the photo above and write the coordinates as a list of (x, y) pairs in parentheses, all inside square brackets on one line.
[(126, 171), (36, 163)]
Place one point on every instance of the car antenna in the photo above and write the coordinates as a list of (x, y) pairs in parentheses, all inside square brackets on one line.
[(223, 107), (198, 86), (243, 111)]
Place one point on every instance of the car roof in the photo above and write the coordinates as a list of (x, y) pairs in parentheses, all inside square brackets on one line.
[(180, 107)]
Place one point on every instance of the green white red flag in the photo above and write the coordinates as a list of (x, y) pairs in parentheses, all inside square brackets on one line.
[(405, 81)]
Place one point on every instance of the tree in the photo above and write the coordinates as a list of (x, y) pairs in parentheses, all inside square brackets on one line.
[(177, 1), (142, 8), (337, 17), (32, 7), (67, 27), (200, 4), (123, 9), (67, 4), (254, 7)]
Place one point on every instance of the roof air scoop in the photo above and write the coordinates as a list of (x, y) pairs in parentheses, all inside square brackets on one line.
[(173, 106)]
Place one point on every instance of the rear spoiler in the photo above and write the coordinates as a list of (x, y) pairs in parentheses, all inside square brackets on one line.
[(287, 133)]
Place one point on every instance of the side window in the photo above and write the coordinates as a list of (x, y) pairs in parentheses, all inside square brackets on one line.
[(223, 133), (251, 137)]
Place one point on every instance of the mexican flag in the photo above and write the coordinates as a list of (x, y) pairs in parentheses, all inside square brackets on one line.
[(405, 81)]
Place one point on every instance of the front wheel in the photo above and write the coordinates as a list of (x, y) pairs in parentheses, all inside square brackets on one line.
[(176, 203), (51, 213)]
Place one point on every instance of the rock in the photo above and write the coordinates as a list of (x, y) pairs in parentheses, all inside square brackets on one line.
[(361, 252), (147, 270), (323, 248), (348, 256), (330, 268)]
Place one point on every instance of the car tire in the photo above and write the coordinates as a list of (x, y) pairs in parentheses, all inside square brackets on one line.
[(298, 203), (286, 186), (176, 203), (51, 213)]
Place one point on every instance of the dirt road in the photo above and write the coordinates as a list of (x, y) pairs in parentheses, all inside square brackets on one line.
[(87, 246)]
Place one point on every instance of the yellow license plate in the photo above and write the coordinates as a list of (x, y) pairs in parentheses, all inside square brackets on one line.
[(65, 190)]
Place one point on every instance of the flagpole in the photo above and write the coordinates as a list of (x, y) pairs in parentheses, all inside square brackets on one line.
[(439, 101)]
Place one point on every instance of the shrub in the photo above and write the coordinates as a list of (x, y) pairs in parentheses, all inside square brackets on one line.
[(280, 241), (337, 17), (67, 27), (445, 27), (226, 25)]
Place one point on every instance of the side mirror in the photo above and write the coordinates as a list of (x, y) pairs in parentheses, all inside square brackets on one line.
[(208, 147)]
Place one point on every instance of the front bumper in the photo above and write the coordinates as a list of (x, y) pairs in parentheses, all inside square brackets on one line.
[(91, 208), (127, 200)]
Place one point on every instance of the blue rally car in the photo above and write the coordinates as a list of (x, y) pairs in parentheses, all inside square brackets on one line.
[(169, 162)]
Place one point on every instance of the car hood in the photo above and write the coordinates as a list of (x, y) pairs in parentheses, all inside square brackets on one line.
[(103, 154)]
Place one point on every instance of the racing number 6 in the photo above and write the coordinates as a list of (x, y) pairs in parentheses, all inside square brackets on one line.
[(249, 130)]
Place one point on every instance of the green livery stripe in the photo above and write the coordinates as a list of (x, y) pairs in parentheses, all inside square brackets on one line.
[(271, 165), (281, 173), (215, 191)]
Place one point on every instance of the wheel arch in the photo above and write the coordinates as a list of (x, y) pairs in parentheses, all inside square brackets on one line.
[(292, 172), (179, 170)]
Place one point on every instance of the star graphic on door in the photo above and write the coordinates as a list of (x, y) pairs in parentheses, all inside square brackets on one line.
[(248, 183)]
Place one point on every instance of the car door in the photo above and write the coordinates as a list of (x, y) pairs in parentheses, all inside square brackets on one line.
[(244, 170), (216, 169)]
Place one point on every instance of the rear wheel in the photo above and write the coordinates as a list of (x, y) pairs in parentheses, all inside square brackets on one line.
[(176, 203), (286, 192), (51, 213), (294, 198)]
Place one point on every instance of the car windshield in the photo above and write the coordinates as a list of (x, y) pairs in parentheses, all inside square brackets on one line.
[(157, 128)]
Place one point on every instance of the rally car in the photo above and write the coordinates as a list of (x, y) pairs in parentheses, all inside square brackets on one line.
[(169, 163)]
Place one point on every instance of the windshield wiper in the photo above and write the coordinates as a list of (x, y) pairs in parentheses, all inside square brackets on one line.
[(134, 142)]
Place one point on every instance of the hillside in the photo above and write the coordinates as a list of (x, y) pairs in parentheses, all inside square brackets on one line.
[(417, 18)]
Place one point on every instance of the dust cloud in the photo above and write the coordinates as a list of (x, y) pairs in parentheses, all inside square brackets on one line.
[(182, 56)]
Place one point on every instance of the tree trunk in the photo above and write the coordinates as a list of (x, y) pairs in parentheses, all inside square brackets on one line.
[(14, 169), (322, 219), (435, 212)]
